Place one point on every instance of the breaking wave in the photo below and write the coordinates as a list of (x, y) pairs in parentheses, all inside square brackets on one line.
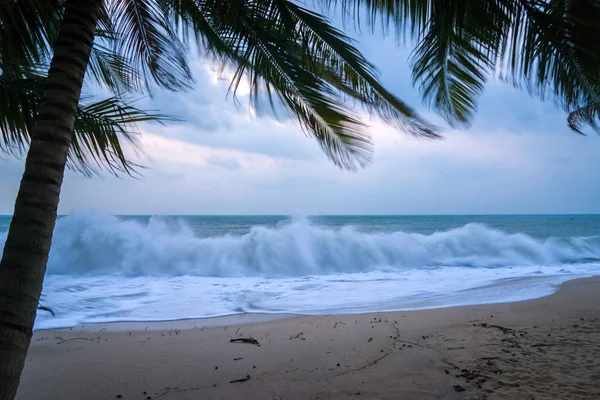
[(94, 244)]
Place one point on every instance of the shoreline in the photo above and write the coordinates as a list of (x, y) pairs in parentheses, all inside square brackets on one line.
[(245, 318), (547, 347)]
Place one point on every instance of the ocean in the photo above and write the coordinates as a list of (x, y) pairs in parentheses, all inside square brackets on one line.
[(147, 268)]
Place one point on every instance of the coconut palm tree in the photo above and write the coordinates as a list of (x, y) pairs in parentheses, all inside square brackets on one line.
[(294, 54), (296, 61), (101, 124)]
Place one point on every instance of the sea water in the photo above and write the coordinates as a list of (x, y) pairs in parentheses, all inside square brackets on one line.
[(147, 268)]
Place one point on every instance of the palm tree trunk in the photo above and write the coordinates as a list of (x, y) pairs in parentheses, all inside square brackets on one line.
[(26, 250)]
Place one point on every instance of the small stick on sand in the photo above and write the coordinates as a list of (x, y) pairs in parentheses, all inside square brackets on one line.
[(247, 378), (250, 340), (77, 338)]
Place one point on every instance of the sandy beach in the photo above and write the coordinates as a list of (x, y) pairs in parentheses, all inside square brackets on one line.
[(547, 348)]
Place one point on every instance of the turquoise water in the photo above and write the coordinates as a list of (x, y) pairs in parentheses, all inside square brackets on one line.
[(106, 268), (539, 226)]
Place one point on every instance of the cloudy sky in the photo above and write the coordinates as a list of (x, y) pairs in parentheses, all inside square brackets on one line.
[(518, 157)]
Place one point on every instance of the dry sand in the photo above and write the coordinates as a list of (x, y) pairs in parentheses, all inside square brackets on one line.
[(540, 349)]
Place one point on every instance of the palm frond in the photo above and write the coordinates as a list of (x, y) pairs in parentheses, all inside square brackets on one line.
[(19, 99), (294, 55), (328, 51), (145, 38), (586, 116), (549, 47), (555, 46), (455, 54), (402, 16), (112, 71), (101, 127), (27, 30)]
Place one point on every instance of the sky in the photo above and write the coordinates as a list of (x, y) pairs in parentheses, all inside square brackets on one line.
[(519, 156)]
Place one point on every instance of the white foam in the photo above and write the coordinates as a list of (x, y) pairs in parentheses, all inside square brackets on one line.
[(91, 244), (102, 268)]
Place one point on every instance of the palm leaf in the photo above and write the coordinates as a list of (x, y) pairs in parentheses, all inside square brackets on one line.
[(549, 47), (588, 115), (555, 46), (455, 54), (328, 51), (19, 99), (101, 127), (292, 54), (112, 71), (27, 29), (146, 39)]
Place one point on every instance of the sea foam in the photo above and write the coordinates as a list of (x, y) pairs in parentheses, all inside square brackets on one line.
[(104, 268), (93, 244)]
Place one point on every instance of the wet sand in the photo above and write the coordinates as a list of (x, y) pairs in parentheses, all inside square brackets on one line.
[(546, 348)]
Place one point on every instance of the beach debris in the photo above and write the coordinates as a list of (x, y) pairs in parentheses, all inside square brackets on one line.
[(459, 388), (238, 358), (119, 396), (336, 324), (247, 378), (298, 336), (503, 329), (48, 309), (249, 340), (77, 338)]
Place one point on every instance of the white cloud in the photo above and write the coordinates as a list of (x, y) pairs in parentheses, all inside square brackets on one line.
[(517, 158)]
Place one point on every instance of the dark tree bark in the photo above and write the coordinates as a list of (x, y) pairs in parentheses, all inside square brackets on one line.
[(23, 263)]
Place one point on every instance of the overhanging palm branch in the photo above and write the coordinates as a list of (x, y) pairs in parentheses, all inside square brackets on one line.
[(144, 37), (296, 56), (454, 56), (112, 71), (588, 115), (101, 128), (27, 30), (548, 47)]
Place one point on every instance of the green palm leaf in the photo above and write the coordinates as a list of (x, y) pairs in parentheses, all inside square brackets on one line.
[(112, 71), (548, 47), (145, 38), (19, 99), (27, 29), (455, 55), (294, 55), (101, 127), (588, 115)]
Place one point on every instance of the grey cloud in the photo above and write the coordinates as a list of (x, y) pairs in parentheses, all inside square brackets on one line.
[(518, 157)]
